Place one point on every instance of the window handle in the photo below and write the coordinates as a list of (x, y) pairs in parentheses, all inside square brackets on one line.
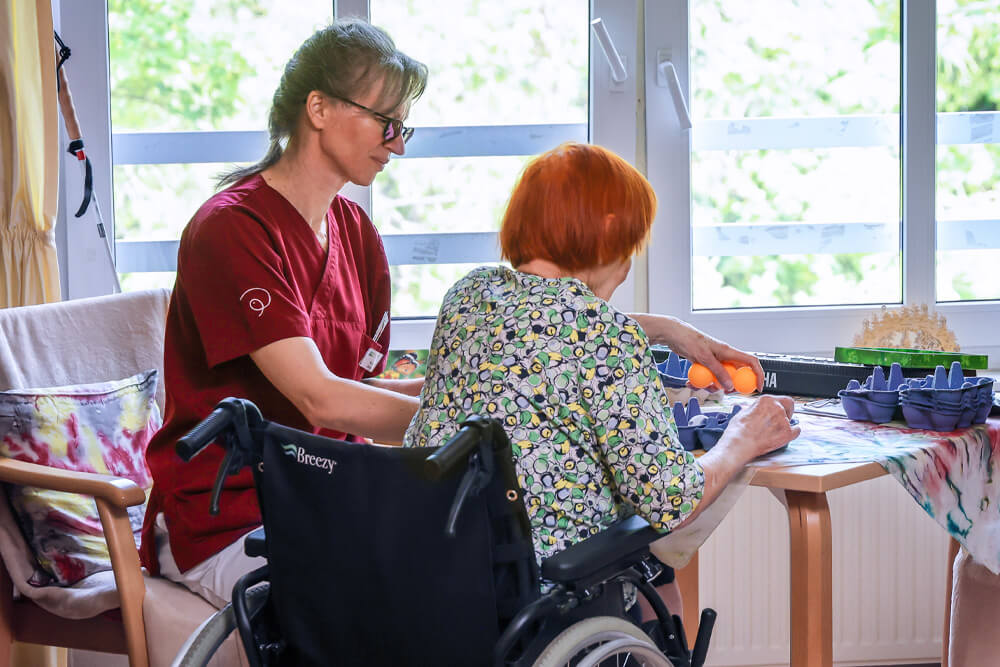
[(618, 73), (666, 76)]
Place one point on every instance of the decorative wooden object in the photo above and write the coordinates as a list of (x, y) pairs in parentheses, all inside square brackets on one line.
[(912, 327)]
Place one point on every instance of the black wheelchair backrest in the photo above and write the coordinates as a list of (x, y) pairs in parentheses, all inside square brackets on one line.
[(361, 569)]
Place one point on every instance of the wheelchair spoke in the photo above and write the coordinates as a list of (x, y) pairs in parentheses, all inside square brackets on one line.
[(602, 641)]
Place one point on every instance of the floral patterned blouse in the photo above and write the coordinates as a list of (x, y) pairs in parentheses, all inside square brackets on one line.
[(574, 383)]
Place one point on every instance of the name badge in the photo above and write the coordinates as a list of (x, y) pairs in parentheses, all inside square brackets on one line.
[(371, 358)]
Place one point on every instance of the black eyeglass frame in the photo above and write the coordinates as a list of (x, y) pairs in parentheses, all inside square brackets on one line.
[(393, 125)]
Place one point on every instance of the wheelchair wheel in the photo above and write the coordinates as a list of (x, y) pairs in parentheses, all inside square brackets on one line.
[(600, 642), (201, 646)]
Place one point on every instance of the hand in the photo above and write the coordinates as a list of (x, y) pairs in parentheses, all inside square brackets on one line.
[(762, 427), (754, 431), (694, 345)]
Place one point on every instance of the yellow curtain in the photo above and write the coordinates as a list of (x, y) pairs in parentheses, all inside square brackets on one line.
[(29, 154)]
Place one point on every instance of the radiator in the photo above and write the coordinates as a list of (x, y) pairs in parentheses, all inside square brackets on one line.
[(889, 576)]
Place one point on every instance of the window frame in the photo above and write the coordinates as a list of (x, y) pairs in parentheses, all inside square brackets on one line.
[(812, 330)]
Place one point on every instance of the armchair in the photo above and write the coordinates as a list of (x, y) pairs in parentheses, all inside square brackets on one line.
[(124, 611), (25, 620)]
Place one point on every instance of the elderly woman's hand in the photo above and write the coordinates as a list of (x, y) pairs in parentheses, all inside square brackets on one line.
[(761, 428), (697, 346)]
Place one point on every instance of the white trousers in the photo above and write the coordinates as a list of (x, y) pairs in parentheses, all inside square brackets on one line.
[(214, 577)]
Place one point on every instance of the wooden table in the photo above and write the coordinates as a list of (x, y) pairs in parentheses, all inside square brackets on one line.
[(811, 550), (810, 538)]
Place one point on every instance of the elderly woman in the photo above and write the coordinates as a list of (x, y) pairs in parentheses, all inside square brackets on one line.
[(572, 378)]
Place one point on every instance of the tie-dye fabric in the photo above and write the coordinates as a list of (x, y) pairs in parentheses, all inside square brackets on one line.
[(952, 476), (98, 428), (574, 383)]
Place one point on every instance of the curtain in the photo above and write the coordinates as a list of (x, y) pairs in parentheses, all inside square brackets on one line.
[(29, 154)]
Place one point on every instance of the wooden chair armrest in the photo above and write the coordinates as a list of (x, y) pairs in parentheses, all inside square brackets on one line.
[(128, 575), (117, 491)]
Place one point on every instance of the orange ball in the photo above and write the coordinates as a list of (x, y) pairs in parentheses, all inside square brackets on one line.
[(730, 368), (699, 376), (744, 380)]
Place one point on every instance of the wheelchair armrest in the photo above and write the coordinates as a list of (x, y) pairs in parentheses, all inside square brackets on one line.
[(594, 554), (255, 543)]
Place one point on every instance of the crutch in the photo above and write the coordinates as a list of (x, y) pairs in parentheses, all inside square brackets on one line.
[(75, 148)]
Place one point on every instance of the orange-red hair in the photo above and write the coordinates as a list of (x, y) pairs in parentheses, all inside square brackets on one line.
[(577, 206)]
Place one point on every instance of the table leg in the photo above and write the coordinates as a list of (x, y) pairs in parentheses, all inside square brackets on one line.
[(953, 547), (811, 604), (687, 581)]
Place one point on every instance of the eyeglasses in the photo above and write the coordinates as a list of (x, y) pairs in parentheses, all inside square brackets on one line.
[(393, 126)]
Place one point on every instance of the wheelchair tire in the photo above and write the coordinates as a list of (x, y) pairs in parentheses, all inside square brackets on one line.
[(201, 646), (592, 641)]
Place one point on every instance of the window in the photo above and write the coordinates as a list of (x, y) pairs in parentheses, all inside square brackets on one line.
[(795, 154), (519, 88), (805, 189), (833, 165), (968, 154), (190, 85)]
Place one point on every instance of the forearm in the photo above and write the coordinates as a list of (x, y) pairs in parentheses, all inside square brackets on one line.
[(757, 430), (720, 467), (696, 346), (357, 408), (410, 386), (661, 329), (296, 368)]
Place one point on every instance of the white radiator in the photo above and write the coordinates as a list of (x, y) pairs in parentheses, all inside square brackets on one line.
[(888, 579)]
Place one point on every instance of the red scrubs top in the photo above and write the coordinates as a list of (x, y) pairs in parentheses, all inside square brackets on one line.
[(250, 272)]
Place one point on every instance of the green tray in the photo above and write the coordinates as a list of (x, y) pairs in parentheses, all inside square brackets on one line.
[(886, 356)]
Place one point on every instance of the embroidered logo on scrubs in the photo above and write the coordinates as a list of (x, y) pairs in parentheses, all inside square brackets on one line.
[(256, 302), (301, 456)]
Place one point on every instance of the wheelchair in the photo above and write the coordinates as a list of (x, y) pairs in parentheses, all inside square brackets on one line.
[(420, 556)]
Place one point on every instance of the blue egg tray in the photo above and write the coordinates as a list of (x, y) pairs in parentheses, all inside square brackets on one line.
[(700, 430), (877, 400), (674, 371), (941, 402)]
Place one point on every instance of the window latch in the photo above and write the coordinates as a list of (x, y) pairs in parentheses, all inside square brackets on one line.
[(618, 73), (666, 77)]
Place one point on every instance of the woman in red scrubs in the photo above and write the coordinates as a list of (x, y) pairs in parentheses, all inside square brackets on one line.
[(282, 297)]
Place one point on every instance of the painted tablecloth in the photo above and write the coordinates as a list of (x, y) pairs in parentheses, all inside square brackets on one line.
[(952, 475)]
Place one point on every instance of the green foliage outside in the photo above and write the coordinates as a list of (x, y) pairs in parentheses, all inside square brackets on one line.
[(747, 64)]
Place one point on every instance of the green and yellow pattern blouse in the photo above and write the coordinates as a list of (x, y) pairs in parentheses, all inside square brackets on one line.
[(574, 383)]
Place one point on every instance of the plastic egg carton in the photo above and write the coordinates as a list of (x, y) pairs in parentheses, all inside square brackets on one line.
[(941, 402), (674, 371), (700, 430), (946, 400), (877, 400)]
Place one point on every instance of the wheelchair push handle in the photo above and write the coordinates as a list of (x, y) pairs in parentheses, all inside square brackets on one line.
[(230, 412), (457, 450), (203, 434)]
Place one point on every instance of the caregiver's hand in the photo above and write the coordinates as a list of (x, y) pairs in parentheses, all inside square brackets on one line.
[(697, 346)]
